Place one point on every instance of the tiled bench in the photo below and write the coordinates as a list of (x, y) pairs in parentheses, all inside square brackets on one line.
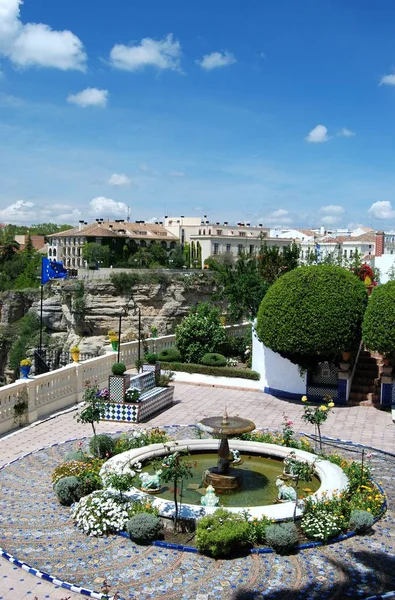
[(152, 400)]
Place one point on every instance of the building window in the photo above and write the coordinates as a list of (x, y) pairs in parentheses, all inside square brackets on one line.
[(200, 232), (227, 248), (209, 231), (216, 248), (345, 253), (182, 236), (351, 253), (219, 231), (252, 248), (239, 248), (242, 233)]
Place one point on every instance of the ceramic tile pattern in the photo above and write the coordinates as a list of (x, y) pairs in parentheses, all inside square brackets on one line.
[(37, 530)]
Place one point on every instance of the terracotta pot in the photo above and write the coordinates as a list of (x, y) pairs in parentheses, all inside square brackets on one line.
[(346, 356)]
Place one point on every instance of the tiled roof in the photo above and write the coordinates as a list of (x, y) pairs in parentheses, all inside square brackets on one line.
[(309, 232), (125, 229)]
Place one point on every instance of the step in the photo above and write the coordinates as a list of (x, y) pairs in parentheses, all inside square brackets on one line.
[(363, 389), (364, 381), (364, 397)]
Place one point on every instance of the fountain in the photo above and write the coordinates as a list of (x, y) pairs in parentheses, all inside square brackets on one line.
[(223, 478)]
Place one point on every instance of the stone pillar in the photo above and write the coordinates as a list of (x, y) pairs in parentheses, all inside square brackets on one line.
[(386, 390), (344, 386)]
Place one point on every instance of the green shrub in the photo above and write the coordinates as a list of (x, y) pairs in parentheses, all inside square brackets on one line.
[(216, 371), (102, 445), (213, 360), (78, 455), (151, 358), (321, 525), (200, 332), (361, 521), (144, 527), (314, 311), (169, 355), (222, 533), (282, 537), (118, 369), (68, 490), (378, 322)]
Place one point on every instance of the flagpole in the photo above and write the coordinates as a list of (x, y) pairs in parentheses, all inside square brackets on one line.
[(41, 318)]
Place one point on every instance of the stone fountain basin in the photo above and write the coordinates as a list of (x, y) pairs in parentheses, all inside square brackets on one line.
[(332, 478)]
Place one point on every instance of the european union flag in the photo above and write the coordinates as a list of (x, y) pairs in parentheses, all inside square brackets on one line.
[(50, 269)]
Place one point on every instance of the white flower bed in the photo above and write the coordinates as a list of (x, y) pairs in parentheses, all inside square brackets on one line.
[(321, 526), (99, 513)]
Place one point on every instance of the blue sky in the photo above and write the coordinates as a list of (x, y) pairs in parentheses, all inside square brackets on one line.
[(272, 111)]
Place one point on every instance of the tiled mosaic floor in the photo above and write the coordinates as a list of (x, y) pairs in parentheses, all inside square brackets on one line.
[(37, 530)]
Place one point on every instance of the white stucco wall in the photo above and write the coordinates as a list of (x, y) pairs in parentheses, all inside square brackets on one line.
[(277, 373), (384, 263)]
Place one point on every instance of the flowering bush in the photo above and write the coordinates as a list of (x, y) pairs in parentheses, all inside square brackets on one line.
[(269, 437), (257, 527), (321, 525), (232, 362), (140, 438), (100, 513), (316, 415), (221, 533), (365, 273), (288, 434), (86, 472), (25, 362), (132, 395)]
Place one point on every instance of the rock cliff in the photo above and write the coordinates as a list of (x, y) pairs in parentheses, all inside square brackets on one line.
[(83, 312)]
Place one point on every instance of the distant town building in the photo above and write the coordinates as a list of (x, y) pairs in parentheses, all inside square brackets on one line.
[(38, 241), (67, 245)]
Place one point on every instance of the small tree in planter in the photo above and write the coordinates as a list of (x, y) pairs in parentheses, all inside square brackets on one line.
[(175, 470), (93, 409)]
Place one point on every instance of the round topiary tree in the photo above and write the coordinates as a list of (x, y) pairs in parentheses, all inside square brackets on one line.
[(378, 324), (312, 314)]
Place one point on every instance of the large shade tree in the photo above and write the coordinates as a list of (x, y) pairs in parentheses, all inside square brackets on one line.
[(313, 313)]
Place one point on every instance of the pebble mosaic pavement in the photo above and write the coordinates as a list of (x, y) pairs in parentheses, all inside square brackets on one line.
[(37, 530)]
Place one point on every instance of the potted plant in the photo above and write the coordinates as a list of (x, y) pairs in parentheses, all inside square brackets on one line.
[(154, 331), (118, 382), (75, 353), (151, 364), (132, 395), (25, 365), (114, 341)]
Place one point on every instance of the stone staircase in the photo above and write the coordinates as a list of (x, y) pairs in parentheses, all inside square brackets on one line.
[(364, 388)]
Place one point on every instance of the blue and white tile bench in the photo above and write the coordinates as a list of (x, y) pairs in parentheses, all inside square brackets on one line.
[(152, 400)]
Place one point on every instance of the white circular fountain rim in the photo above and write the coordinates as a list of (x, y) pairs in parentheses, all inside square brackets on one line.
[(332, 477)]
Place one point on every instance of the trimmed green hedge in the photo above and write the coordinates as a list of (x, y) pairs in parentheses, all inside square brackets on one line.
[(169, 355), (313, 311), (213, 359), (216, 371), (378, 324)]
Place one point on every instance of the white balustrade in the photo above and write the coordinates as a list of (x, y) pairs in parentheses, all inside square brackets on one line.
[(64, 387)]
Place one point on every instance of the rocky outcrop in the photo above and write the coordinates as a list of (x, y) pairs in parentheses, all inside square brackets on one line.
[(83, 312)]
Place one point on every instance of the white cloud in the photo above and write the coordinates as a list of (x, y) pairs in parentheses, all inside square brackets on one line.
[(26, 212), (382, 210), (36, 44), (106, 207), (89, 97), (119, 179), (388, 79), (216, 60), (318, 134), (344, 132), (176, 174), (330, 220), (144, 167), (162, 54), (332, 209), (276, 218)]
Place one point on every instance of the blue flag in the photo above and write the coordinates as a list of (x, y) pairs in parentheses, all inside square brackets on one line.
[(50, 269)]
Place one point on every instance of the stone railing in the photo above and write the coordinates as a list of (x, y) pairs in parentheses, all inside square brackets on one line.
[(64, 387)]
